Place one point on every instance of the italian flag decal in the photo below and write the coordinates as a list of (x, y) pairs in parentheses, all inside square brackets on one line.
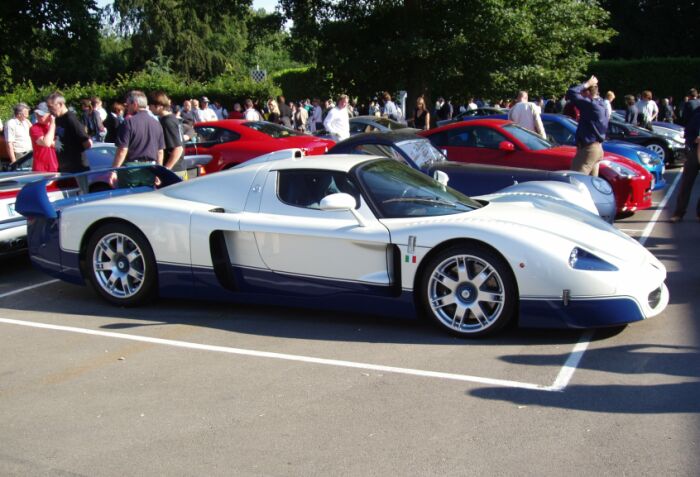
[(410, 259)]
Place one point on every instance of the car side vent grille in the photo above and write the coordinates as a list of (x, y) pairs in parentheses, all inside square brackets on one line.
[(217, 210), (654, 298)]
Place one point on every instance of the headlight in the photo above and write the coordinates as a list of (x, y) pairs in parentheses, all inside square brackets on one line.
[(622, 170), (644, 157), (601, 185), (579, 259)]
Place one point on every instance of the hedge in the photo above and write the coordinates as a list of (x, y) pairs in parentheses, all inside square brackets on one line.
[(227, 89), (664, 77)]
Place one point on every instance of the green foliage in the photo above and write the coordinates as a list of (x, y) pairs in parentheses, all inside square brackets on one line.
[(487, 48), (653, 28), (663, 76), (49, 40), (224, 88), (300, 83)]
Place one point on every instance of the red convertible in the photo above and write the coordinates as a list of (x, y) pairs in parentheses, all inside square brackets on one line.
[(233, 141), (500, 142)]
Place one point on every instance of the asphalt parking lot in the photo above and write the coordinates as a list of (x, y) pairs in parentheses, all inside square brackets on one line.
[(186, 388)]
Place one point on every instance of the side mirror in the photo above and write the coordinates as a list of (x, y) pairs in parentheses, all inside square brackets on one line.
[(506, 146), (441, 177), (342, 201), (339, 201)]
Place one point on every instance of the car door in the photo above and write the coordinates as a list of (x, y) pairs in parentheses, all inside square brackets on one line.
[(477, 144), (216, 142), (319, 251)]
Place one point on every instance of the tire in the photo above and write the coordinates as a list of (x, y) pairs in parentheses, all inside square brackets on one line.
[(457, 297), (661, 151), (120, 265)]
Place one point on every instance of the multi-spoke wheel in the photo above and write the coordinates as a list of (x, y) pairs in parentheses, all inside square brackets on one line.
[(659, 150), (469, 290), (121, 264)]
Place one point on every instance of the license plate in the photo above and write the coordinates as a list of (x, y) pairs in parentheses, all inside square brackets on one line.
[(11, 210)]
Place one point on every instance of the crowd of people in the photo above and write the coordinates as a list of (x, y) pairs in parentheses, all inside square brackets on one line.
[(153, 129)]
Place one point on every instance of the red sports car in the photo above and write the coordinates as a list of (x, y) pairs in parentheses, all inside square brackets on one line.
[(233, 141), (500, 142)]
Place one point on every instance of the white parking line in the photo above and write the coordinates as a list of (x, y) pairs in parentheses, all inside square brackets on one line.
[(659, 210), (559, 384), (31, 287)]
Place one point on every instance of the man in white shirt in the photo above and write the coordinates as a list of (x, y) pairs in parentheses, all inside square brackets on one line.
[(316, 115), (250, 114), (527, 115), (337, 121), (17, 139), (648, 109), (205, 113)]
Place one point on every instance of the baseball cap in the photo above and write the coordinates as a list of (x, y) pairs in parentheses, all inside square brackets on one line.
[(42, 109), (204, 99)]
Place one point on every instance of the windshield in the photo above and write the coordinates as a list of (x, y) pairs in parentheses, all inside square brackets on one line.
[(399, 191), (386, 122), (422, 152), (273, 130), (531, 140)]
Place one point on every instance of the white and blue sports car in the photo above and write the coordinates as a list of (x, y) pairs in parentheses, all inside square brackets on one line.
[(353, 233)]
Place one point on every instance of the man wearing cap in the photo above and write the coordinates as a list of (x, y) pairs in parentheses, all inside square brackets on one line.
[(205, 113), (71, 138), (17, 137), (43, 134)]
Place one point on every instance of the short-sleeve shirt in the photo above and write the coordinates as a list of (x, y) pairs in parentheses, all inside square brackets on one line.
[(45, 159), (17, 134), (142, 135), (70, 136), (173, 138)]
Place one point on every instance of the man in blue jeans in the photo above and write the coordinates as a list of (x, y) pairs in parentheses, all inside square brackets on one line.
[(592, 126)]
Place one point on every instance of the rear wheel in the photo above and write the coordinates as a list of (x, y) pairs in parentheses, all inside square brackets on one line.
[(469, 291), (121, 265)]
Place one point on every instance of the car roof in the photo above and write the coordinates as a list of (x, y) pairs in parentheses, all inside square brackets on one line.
[(335, 162)]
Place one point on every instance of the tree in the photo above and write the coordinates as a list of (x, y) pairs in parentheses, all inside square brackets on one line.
[(49, 40), (653, 28), (201, 38), (488, 48)]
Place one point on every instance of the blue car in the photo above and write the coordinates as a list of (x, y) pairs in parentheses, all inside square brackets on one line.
[(561, 130)]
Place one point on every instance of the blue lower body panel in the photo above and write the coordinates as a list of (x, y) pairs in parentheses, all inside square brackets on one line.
[(588, 313)]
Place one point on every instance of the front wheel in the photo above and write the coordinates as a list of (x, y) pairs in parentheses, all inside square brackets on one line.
[(660, 151), (469, 291), (121, 265)]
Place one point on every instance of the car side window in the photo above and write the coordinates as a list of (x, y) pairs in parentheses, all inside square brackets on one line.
[(306, 188), (462, 137), (558, 133), (487, 138), (614, 129), (209, 136)]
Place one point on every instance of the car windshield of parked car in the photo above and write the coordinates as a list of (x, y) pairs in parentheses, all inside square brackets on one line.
[(399, 191), (273, 130), (393, 125), (531, 140), (422, 152)]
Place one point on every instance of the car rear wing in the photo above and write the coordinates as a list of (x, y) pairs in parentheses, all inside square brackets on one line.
[(33, 199)]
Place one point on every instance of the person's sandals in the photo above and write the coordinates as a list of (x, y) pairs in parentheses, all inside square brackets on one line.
[(675, 219)]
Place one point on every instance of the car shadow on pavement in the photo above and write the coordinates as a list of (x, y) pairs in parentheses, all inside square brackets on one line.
[(632, 362)]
